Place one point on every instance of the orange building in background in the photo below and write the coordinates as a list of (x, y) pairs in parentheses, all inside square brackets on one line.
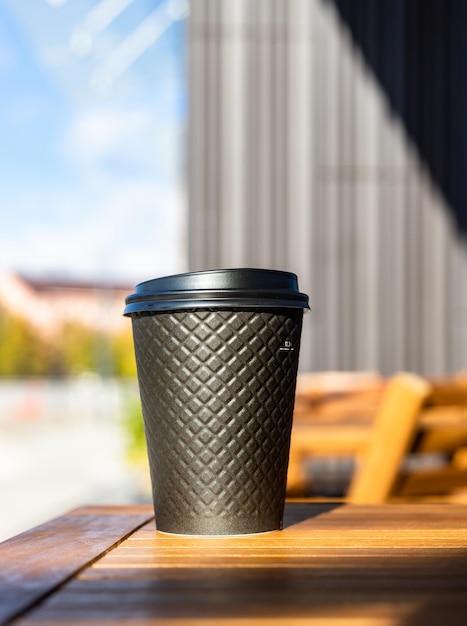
[(49, 303)]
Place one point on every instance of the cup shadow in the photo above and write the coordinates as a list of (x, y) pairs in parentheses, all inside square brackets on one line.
[(297, 512)]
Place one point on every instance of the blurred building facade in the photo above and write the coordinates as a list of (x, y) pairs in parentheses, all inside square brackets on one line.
[(47, 304), (328, 138)]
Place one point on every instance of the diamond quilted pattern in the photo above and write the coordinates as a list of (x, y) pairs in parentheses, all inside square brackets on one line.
[(217, 391)]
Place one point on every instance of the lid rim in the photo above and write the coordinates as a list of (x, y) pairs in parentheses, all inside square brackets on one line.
[(181, 305), (254, 288)]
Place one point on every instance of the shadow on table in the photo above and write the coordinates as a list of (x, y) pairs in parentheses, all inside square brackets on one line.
[(298, 514), (419, 590)]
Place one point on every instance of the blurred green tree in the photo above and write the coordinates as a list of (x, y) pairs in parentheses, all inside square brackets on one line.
[(74, 350), (124, 355), (22, 351)]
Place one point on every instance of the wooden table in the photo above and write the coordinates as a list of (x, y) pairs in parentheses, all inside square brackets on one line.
[(333, 564)]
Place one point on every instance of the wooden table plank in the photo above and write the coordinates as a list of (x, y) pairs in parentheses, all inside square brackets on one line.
[(34, 563), (398, 565)]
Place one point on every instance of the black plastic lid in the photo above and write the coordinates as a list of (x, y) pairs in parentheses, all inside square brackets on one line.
[(226, 288)]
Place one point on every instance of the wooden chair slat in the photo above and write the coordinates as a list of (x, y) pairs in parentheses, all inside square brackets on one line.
[(392, 436), (414, 415), (432, 482)]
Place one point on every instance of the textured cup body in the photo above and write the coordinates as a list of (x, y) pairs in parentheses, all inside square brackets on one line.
[(217, 390)]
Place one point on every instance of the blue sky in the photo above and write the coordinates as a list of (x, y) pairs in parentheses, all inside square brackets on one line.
[(92, 127)]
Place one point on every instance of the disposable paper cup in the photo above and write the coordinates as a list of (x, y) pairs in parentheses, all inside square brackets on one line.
[(217, 358)]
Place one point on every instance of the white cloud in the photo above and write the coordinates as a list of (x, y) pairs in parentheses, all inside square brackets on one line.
[(100, 133), (56, 57), (131, 232), (56, 3), (135, 140), (116, 219)]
